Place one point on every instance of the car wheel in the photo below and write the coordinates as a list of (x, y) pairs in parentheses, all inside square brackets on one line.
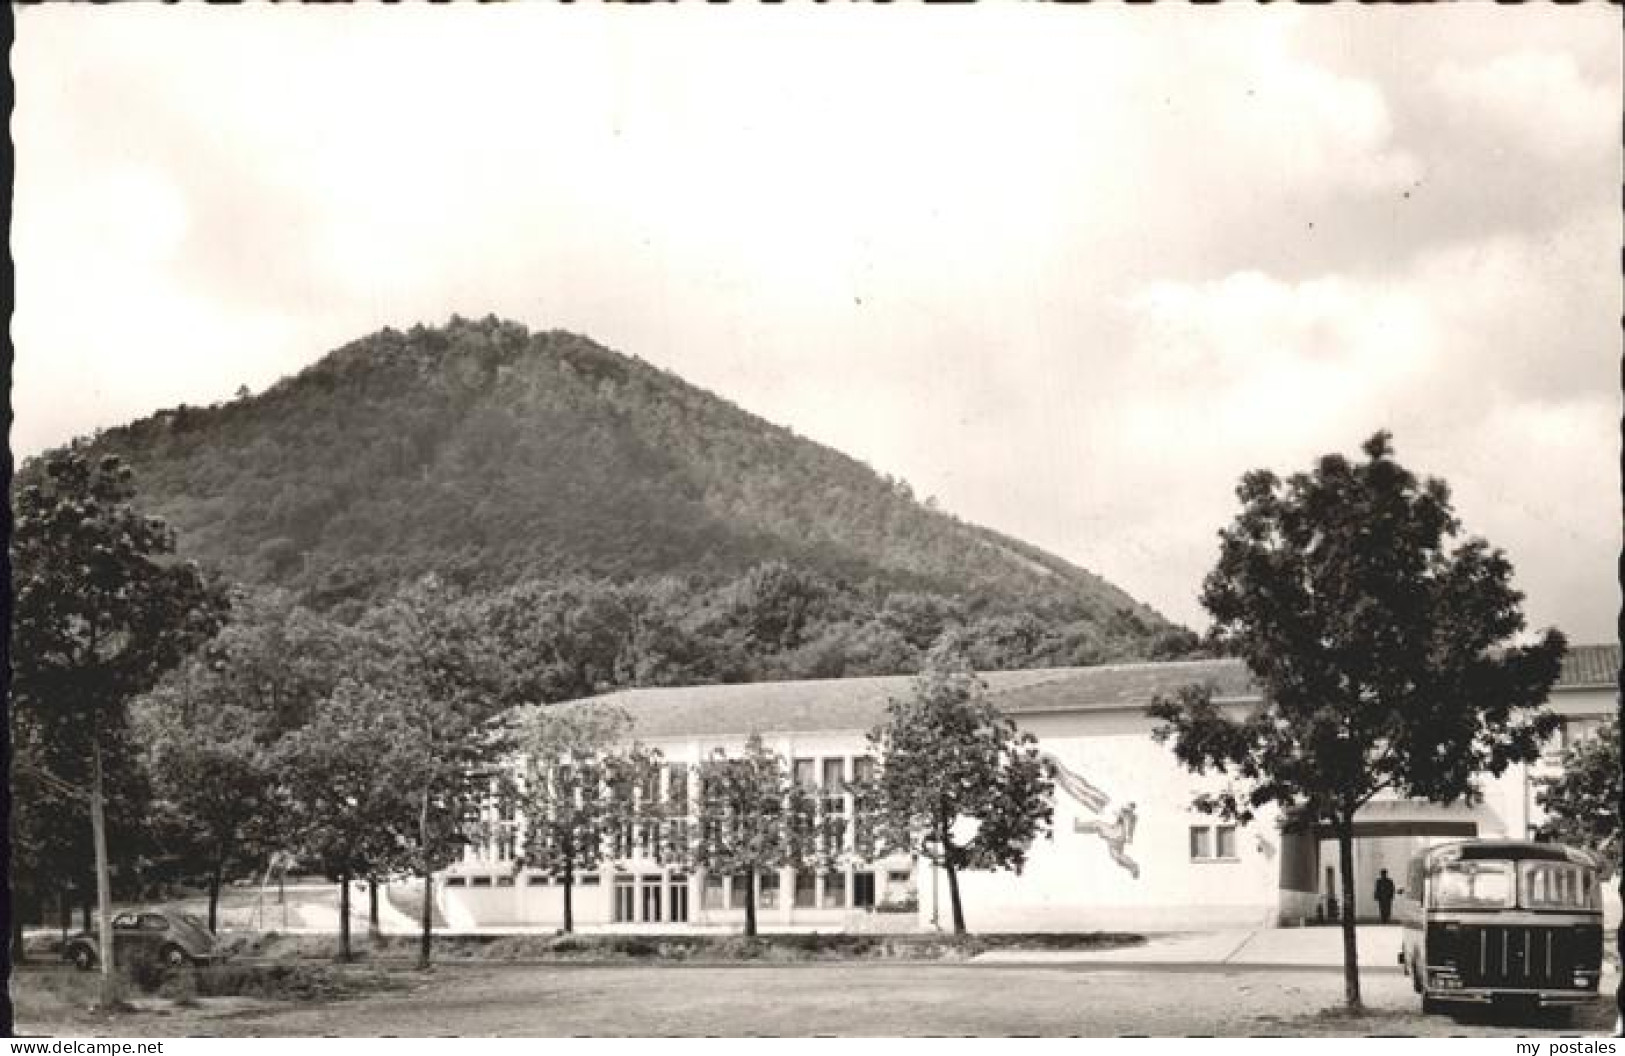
[(174, 957), (83, 958)]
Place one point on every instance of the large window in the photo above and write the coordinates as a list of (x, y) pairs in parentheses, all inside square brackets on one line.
[(806, 890), (625, 898), (712, 898), (834, 891), (739, 891), (1556, 885), (767, 890), (863, 890), (677, 898), (1570, 733), (1473, 885), (651, 899), (834, 775), (805, 772)]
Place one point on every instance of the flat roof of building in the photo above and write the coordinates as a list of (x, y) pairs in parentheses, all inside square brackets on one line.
[(837, 704)]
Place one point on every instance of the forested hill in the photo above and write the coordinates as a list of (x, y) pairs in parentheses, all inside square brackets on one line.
[(490, 455)]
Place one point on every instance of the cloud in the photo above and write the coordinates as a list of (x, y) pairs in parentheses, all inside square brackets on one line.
[(1073, 272)]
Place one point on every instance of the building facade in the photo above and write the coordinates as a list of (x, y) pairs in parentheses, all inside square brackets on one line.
[(1126, 850)]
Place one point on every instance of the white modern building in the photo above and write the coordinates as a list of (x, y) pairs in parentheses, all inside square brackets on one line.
[(1127, 852)]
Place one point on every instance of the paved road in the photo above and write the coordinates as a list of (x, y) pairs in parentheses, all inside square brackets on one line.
[(851, 999)]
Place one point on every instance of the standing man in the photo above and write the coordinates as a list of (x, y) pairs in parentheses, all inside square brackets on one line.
[(1385, 895)]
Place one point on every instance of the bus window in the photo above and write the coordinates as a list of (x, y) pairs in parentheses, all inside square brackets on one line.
[(1473, 885), (1556, 885)]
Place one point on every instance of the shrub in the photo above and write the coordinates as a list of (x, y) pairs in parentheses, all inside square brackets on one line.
[(287, 982), (146, 971), (181, 988), (634, 947)]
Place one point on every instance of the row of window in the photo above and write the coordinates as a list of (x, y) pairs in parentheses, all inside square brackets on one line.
[(507, 880), (807, 773), (1208, 843), (809, 891), (828, 774)]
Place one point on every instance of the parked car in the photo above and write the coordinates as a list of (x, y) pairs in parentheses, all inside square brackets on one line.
[(175, 938)]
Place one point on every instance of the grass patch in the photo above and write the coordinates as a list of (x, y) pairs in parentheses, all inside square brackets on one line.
[(69, 991)]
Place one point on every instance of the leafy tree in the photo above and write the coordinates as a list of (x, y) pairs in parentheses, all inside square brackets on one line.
[(47, 816), (562, 799), (100, 613), (443, 683), (1002, 643), (348, 793), (214, 769), (947, 758), (1582, 802), (921, 618), (1382, 648), (774, 604), (752, 818), (212, 729)]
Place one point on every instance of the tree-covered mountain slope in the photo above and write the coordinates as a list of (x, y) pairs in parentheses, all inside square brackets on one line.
[(491, 455)]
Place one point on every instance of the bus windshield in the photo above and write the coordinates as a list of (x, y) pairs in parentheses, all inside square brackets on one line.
[(1556, 885), (1473, 884)]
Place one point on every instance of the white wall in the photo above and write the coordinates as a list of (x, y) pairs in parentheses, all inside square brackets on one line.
[(1071, 881)]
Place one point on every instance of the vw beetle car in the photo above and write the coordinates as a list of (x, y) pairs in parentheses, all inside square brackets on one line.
[(176, 939)]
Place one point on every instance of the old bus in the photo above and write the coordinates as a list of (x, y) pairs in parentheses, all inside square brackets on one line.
[(1485, 920)]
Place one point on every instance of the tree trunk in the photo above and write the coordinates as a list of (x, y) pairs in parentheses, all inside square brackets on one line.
[(427, 916), (214, 894), (374, 929), (104, 891), (953, 897), (1351, 954), (427, 936), (19, 954), (569, 901), (750, 904), (344, 916)]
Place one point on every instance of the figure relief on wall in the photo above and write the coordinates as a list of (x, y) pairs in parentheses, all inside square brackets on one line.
[(1118, 833)]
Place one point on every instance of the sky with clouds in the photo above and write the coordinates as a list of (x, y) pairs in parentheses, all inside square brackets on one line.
[(1070, 270)]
